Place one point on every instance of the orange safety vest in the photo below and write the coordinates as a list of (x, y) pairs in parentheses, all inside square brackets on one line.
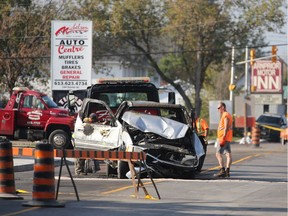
[(201, 126), (221, 127)]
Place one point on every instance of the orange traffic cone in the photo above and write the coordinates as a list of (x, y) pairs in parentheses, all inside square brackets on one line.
[(255, 136), (43, 194), (7, 181)]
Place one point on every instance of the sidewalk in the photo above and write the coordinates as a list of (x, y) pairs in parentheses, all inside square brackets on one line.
[(27, 164), (23, 164)]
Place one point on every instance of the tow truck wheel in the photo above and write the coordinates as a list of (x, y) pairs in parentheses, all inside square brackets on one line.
[(123, 168), (59, 139)]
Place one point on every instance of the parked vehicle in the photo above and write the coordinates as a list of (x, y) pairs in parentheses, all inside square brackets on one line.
[(271, 125), (162, 130), (32, 115)]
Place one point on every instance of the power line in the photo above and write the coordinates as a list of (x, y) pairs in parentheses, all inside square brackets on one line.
[(151, 53)]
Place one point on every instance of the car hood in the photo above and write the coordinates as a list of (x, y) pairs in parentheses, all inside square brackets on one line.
[(162, 126)]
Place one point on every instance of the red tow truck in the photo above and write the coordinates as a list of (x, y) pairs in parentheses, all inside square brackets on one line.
[(32, 115)]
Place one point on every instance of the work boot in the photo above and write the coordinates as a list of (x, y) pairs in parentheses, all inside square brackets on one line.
[(227, 172), (221, 173)]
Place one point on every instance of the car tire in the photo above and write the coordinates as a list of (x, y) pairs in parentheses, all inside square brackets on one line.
[(122, 169), (59, 139)]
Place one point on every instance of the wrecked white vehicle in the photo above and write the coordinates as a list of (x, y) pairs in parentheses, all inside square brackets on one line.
[(162, 130)]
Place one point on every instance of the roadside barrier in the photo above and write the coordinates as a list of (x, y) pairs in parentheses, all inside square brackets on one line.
[(43, 194), (255, 136), (100, 155), (130, 157), (7, 180)]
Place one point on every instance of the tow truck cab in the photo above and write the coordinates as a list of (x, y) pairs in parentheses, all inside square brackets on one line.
[(32, 115), (113, 91)]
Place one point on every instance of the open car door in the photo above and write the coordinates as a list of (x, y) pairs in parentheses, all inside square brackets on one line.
[(103, 134)]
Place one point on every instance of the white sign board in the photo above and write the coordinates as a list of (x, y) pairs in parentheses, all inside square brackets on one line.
[(268, 99), (267, 77), (71, 54)]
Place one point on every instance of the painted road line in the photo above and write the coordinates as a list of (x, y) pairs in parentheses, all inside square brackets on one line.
[(235, 162)]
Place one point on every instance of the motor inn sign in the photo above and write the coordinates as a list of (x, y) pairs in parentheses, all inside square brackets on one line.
[(266, 76)]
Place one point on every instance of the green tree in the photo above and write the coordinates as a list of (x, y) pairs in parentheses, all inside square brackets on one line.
[(180, 39), (24, 43), (210, 28)]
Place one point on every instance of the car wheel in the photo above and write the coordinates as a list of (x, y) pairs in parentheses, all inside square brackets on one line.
[(59, 139), (122, 169)]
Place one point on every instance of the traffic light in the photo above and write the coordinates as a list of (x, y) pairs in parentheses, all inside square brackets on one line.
[(253, 88), (274, 53), (232, 87), (252, 56)]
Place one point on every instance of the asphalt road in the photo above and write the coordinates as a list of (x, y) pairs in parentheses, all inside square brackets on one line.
[(257, 186)]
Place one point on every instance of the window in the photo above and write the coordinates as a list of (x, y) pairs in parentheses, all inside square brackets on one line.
[(266, 108), (28, 101), (113, 100)]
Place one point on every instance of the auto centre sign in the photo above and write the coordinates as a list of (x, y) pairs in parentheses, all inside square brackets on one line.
[(71, 54), (266, 76)]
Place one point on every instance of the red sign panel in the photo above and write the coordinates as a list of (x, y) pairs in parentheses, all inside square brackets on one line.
[(240, 122), (267, 77)]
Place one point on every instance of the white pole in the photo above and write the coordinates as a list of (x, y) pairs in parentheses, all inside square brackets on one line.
[(232, 74), (246, 70), (246, 93)]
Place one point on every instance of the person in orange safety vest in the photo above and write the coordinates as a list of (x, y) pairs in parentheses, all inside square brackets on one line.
[(202, 130), (224, 138)]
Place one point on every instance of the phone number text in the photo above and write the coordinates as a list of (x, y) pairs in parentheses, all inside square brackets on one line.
[(71, 83)]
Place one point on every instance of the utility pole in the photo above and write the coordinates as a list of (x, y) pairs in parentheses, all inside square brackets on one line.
[(246, 71), (232, 74), (246, 94)]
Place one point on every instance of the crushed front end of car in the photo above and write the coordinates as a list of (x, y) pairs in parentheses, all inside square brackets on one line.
[(172, 148)]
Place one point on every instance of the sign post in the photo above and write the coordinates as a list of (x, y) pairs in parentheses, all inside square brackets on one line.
[(71, 54)]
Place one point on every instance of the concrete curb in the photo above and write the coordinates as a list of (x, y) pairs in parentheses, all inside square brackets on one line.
[(23, 165)]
